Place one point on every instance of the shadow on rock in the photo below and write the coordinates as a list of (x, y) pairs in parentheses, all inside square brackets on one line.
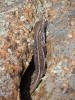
[(26, 82)]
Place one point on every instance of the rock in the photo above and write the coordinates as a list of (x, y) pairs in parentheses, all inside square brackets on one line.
[(17, 19)]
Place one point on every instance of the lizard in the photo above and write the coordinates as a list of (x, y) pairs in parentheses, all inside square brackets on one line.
[(39, 53)]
